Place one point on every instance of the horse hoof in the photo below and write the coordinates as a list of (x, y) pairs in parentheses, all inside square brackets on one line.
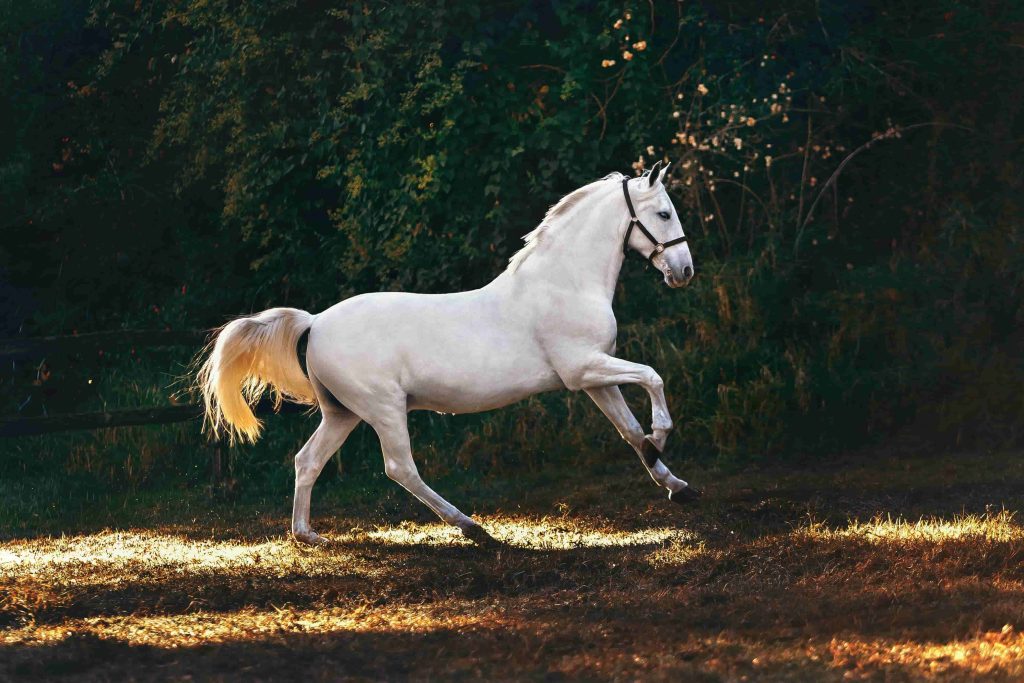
[(479, 536), (309, 538), (685, 495)]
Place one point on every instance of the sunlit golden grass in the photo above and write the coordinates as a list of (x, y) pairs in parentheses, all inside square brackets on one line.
[(537, 534), (184, 630), (993, 652), (129, 554), (127, 551), (998, 527), (759, 588)]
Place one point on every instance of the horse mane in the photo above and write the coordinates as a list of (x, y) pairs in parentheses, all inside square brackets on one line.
[(551, 218)]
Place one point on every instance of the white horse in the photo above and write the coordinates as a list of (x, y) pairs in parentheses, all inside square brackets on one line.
[(545, 323)]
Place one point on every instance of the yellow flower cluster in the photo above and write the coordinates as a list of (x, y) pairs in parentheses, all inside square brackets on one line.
[(713, 132), (627, 55)]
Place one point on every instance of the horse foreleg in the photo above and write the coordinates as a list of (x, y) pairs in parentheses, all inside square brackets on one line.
[(309, 462), (393, 431), (614, 407), (609, 371)]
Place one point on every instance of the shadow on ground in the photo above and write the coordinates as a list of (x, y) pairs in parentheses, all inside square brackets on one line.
[(898, 572)]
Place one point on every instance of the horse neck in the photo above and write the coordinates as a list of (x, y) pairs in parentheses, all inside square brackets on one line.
[(584, 254)]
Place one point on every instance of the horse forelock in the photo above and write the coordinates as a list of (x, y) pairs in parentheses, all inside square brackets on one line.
[(552, 218)]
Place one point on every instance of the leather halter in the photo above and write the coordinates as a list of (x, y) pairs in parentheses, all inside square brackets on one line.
[(634, 222)]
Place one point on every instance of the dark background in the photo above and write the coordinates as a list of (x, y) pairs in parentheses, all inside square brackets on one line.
[(171, 164)]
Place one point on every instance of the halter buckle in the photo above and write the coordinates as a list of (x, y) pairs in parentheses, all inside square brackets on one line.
[(658, 248)]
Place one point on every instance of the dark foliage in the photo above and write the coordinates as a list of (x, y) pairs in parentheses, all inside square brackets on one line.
[(850, 172)]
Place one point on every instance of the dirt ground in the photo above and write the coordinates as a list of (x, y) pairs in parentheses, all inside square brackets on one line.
[(889, 569)]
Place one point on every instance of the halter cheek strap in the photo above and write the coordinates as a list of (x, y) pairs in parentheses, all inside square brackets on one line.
[(634, 222)]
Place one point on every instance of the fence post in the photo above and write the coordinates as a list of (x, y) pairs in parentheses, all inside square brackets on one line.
[(222, 480), (217, 455)]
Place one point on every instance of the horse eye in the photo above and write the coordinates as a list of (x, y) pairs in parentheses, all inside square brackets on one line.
[(664, 215)]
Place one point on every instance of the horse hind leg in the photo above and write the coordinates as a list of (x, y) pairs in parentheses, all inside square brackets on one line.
[(334, 428), (393, 431)]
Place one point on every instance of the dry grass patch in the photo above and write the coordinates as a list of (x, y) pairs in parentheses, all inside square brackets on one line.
[(744, 587), (998, 527)]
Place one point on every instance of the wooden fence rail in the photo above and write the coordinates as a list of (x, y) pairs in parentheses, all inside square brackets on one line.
[(37, 347), (46, 424), (42, 347)]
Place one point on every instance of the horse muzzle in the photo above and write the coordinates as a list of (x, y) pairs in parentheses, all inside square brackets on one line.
[(676, 280)]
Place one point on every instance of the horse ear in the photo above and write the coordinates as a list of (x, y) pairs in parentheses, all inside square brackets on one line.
[(664, 173), (655, 174)]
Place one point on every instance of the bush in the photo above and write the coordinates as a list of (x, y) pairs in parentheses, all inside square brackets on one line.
[(848, 174)]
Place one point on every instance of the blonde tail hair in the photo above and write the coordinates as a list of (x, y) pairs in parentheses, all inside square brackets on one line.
[(247, 357)]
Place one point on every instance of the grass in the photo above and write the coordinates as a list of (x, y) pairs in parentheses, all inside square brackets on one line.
[(878, 568)]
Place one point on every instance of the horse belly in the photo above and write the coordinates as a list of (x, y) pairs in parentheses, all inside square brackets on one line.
[(469, 386)]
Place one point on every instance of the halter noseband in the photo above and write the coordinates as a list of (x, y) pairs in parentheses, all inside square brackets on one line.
[(634, 222)]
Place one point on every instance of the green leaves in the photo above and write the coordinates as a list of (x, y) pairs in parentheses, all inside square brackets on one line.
[(290, 153)]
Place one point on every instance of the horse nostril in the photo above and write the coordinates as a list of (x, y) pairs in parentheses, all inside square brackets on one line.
[(687, 272)]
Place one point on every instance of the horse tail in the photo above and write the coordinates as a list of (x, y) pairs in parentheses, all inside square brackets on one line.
[(246, 357)]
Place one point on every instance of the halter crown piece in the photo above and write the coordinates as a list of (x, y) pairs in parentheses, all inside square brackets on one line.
[(634, 222)]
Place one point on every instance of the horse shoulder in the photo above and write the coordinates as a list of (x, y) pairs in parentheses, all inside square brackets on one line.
[(572, 336)]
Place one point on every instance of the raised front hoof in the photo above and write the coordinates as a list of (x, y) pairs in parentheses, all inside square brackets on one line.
[(685, 495), (480, 537), (308, 538)]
